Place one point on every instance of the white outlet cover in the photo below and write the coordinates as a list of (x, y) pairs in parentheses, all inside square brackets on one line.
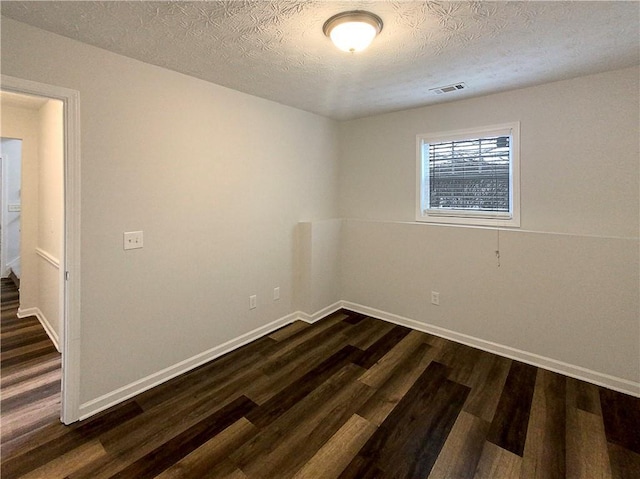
[(435, 298), (133, 239)]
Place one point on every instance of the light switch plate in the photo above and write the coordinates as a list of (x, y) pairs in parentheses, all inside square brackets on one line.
[(133, 239)]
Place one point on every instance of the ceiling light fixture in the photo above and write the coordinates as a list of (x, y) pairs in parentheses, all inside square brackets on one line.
[(353, 31)]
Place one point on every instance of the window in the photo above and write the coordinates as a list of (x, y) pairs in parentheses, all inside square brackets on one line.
[(469, 177)]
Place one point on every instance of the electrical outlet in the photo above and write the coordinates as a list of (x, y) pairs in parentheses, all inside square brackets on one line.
[(253, 302), (435, 298), (133, 240), (276, 293)]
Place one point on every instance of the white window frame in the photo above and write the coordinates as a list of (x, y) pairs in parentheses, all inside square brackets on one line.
[(466, 217)]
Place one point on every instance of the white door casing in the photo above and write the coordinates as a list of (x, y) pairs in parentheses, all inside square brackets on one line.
[(70, 254)]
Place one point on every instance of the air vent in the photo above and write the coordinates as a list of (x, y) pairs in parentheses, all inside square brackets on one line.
[(449, 88)]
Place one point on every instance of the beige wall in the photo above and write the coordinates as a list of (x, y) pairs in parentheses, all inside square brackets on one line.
[(51, 181), (216, 179), (578, 154), (569, 298), (318, 266), (50, 212), (568, 284)]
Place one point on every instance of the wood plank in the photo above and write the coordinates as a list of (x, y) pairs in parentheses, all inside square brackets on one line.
[(361, 468), (487, 381), (462, 450), (380, 372), (286, 444), (383, 402), (133, 439), (625, 464), (461, 360), (288, 330), (432, 424), (544, 451), (22, 336), (269, 411), (18, 421), (202, 461), (426, 403), (621, 415), (183, 444), (33, 438), (62, 466), (509, 426), (332, 458), (235, 474), (30, 425), (320, 330), (26, 371), (364, 334), (45, 376), (283, 353), (587, 453), (298, 364), (352, 317), (26, 353), (497, 463), (75, 436), (587, 396), (222, 469), (381, 347), (31, 395)]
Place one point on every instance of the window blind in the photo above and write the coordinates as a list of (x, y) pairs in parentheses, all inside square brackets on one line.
[(470, 174)]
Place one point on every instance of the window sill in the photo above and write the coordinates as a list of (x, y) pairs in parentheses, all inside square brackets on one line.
[(469, 221)]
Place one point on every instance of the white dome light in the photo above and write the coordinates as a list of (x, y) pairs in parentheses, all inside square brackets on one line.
[(352, 31)]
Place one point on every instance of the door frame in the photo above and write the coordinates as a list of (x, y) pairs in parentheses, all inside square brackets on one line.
[(70, 260)]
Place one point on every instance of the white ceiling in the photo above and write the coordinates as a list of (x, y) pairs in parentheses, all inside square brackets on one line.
[(276, 49)]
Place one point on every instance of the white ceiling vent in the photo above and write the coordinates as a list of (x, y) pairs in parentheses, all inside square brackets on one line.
[(449, 88)]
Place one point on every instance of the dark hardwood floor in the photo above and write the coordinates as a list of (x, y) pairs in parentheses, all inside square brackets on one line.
[(347, 397), (29, 372)]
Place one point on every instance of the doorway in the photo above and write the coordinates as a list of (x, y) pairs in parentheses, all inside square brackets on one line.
[(10, 171), (56, 246)]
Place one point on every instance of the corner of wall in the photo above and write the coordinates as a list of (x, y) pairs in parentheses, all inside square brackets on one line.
[(317, 264)]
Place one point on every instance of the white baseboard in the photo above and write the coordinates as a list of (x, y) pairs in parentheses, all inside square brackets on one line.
[(577, 372), (112, 398), (323, 313), (23, 313)]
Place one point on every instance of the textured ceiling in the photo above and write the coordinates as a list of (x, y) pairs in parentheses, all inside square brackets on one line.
[(276, 49)]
